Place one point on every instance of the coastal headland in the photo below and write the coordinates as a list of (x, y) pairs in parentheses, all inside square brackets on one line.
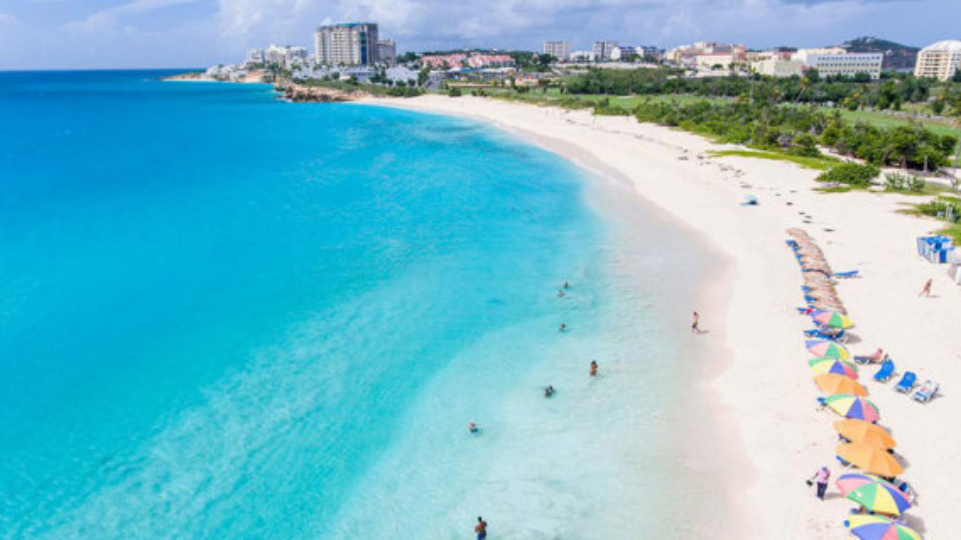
[(773, 434)]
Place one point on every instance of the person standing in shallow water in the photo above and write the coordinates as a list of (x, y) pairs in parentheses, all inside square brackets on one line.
[(593, 368), (481, 528)]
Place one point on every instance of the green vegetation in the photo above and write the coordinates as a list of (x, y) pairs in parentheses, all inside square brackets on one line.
[(850, 174), (822, 163), (903, 183)]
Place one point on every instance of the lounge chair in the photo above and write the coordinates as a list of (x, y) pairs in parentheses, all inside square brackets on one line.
[(749, 200), (906, 489), (847, 275), (907, 382), (885, 373), (844, 463), (820, 334), (927, 391)]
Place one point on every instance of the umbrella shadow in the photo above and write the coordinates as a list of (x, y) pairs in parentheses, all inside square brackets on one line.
[(914, 522), (853, 339)]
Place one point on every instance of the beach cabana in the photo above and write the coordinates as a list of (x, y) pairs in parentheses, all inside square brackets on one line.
[(880, 528), (870, 459), (873, 493), (835, 383), (863, 432), (850, 406)]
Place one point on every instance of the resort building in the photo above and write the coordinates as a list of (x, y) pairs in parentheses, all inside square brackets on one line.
[(346, 44), (939, 61), (834, 61), (558, 49), (281, 56), (776, 67), (604, 50), (725, 54), (255, 57), (387, 51)]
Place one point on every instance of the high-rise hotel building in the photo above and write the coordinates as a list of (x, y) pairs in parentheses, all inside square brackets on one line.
[(346, 44), (939, 61)]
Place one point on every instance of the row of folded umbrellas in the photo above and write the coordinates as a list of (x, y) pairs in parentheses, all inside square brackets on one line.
[(869, 444), (817, 273)]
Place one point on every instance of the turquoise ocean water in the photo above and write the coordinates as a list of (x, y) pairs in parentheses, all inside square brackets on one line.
[(225, 316)]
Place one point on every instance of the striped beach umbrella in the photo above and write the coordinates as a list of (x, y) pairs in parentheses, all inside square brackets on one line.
[(865, 432), (827, 349), (850, 406), (835, 383), (880, 528), (873, 493), (832, 319), (870, 459), (833, 365)]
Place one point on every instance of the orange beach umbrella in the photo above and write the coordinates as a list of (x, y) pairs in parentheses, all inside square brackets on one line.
[(835, 383), (870, 459), (863, 432)]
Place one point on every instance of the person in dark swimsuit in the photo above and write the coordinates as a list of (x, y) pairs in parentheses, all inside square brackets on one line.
[(481, 528)]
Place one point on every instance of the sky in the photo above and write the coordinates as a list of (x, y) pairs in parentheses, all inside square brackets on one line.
[(92, 34)]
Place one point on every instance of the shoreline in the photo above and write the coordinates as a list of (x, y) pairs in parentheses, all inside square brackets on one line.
[(761, 392)]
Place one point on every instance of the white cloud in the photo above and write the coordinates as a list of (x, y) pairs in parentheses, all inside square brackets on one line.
[(7, 19), (107, 19)]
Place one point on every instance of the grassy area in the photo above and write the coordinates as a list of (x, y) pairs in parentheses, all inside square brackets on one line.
[(553, 96), (885, 121), (816, 163), (954, 231)]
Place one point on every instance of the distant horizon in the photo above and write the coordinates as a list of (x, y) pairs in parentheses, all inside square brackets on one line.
[(152, 34)]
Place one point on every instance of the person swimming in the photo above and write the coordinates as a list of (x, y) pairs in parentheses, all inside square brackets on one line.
[(560, 292), (593, 368), (473, 428), (563, 327), (549, 391)]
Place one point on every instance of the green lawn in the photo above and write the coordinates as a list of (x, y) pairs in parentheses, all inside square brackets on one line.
[(816, 163), (885, 121)]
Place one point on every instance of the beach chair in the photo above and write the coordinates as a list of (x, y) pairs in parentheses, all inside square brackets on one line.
[(885, 373), (906, 489), (907, 382), (847, 275), (844, 463), (927, 391), (749, 200)]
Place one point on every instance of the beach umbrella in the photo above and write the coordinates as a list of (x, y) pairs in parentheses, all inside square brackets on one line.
[(868, 527), (835, 383), (851, 406), (873, 493), (870, 459), (833, 319), (827, 349), (865, 432), (833, 365)]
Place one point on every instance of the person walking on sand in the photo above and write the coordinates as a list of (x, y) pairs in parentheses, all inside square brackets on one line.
[(926, 291), (697, 319), (593, 368), (481, 528), (821, 477)]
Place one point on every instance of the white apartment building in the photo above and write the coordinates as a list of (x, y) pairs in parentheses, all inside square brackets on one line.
[(558, 49), (604, 50), (939, 61), (346, 44), (834, 61), (776, 67), (279, 55), (255, 56)]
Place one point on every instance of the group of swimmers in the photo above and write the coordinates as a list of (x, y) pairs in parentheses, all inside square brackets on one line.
[(481, 527)]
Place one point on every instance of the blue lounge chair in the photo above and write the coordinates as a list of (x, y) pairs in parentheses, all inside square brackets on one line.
[(820, 334), (847, 275), (749, 200), (907, 382), (927, 391), (885, 373)]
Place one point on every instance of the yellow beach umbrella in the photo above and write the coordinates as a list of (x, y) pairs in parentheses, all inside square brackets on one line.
[(870, 459), (860, 431), (835, 383)]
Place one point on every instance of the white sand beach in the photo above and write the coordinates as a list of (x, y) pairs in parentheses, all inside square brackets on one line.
[(764, 391)]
